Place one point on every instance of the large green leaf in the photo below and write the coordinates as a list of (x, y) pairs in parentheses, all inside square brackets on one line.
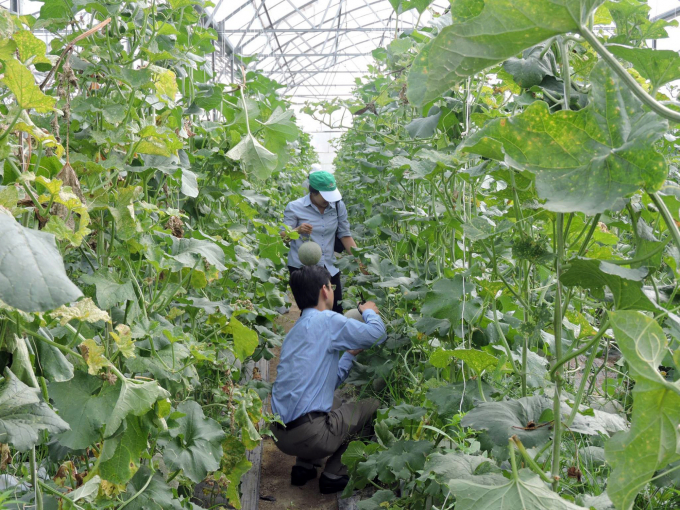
[(530, 69), (585, 161), (525, 418), (397, 462), (445, 302), (32, 274), (454, 398), (255, 158), (24, 415), (22, 84), (120, 455), (109, 291), (154, 495), (133, 398), (85, 406), (424, 127), (625, 284), (653, 440), (502, 29), (279, 129), (658, 66), (54, 365), (527, 492), (195, 447), (187, 251), (459, 466)]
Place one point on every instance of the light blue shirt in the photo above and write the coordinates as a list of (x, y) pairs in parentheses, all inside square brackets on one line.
[(324, 226), (310, 368)]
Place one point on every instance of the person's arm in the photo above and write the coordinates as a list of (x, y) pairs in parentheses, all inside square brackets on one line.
[(344, 232), (348, 243), (344, 366), (289, 219), (348, 334)]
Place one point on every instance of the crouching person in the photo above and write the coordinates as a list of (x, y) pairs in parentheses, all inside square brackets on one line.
[(309, 371)]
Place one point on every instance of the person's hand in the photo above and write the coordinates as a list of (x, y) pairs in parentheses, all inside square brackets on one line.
[(354, 352), (369, 305), (362, 268), (305, 229)]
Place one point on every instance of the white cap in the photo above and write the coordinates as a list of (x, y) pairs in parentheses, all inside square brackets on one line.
[(331, 196)]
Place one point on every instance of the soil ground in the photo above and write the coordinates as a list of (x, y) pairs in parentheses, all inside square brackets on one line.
[(276, 466)]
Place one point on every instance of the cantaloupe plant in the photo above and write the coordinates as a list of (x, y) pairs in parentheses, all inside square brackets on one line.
[(309, 253)]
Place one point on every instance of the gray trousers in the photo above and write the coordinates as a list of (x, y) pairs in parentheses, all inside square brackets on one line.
[(329, 435)]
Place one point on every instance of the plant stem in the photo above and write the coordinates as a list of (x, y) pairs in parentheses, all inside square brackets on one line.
[(583, 349), (513, 461), (11, 125), (140, 491), (531, 462), (62, 348), (34, 481), (667, 218), (502, 336), (557, 325), (581, 388)]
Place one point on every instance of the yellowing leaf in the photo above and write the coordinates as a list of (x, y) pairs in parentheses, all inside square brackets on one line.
[(93, 353), (166, 85), (29, 46), (42, 136), (22, 84), (84, 310), (53, 185), (123, 339), (111, 490), (578, 319), (245, 339), (588, 160)]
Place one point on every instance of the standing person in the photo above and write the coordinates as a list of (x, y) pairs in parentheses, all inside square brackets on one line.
[(320, 216), (317, 425)]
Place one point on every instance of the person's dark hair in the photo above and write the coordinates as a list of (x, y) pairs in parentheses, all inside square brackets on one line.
[(306, 284), (313, 191)]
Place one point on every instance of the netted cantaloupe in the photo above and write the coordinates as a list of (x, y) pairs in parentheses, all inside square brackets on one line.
[(354, 314), (309, 253)]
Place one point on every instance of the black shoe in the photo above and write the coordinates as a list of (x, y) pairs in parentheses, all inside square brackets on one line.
[(332, 485), (300, 475)]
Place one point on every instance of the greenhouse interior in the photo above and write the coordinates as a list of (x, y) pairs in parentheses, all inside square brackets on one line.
[(340, 254)]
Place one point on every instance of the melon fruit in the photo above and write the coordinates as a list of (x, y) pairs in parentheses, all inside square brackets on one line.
[(354, 314), (309, 253)]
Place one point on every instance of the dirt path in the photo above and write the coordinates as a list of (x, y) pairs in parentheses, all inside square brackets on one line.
[(276, 466)]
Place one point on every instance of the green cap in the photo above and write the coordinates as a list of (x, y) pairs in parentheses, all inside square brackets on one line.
[(324, 182)]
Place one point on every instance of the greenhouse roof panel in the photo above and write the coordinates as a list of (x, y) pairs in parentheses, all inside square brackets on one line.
[(314, 47)]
